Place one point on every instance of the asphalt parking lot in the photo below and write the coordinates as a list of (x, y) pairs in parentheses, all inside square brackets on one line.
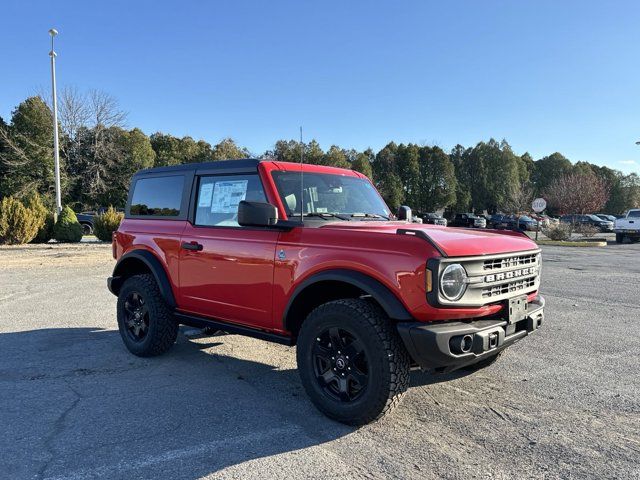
[(564, 403)]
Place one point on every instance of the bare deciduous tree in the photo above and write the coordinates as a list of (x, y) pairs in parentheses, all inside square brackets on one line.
[(519, 199), (578, 193), (74, 112), (104, 110)]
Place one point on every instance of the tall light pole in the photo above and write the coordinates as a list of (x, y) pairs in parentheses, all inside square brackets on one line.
[(56, 155)]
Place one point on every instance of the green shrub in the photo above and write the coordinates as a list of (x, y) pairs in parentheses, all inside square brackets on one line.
[(45, 233), (67, 228), (104, 225), (18, 224), (45, 218), (560, 231)]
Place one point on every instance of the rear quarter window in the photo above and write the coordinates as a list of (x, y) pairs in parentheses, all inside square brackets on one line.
[(157, 196)]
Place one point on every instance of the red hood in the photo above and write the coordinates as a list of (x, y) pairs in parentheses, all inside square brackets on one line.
[(455, 242)]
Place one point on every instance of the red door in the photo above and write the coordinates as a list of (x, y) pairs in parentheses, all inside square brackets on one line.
[(231, 278), (226, 271)]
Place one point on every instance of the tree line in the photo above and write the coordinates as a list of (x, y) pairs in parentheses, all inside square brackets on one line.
[(99, 155)]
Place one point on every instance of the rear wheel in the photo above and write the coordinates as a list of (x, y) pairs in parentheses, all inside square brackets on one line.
[(352, 362), (146, 323), (87, 229)]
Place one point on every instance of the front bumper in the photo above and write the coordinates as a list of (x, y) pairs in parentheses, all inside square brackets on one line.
[(433, 346), (627, 231)]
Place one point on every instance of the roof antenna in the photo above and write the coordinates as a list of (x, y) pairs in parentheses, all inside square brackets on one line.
[(301, 178)]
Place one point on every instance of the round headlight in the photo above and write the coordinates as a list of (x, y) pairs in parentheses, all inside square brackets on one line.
[(453, 282)]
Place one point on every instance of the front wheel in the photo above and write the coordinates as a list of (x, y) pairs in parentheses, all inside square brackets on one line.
[(352, 362), (146, 323), (619, 238)]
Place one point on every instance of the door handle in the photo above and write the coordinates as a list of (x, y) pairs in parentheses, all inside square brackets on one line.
[(193, 246)]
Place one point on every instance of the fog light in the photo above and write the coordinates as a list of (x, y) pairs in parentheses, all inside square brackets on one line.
[(461, 344)]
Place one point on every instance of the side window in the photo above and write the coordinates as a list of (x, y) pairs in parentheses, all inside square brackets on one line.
[(157, 196), (219, 196)]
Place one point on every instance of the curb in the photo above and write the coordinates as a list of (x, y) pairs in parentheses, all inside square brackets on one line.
[(586, 244)]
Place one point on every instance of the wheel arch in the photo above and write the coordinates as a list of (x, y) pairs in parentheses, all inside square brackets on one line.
[(336, 284), (139, 262)]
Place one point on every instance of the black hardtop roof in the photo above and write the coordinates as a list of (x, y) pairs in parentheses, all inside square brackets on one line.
[(241, 164)]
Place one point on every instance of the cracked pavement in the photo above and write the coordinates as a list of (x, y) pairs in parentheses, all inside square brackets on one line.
[(564, 403)]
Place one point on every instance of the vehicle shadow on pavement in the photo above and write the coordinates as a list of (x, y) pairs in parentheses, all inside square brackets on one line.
[(422, 379), (77, 404)]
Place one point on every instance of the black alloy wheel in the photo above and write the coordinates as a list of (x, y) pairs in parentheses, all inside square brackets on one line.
[(340, 364), (351, 360), (145, 321), (136, 317)]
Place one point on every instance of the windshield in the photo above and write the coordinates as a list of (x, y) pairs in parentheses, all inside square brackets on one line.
[(328, 194), (594, 218)]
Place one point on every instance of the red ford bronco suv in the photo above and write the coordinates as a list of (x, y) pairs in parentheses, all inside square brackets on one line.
[(311, 256)]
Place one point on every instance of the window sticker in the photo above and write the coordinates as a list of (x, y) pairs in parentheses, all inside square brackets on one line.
[(206, 194), (227, 195)]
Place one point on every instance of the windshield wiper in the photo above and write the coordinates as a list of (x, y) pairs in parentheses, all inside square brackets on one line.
[(325, 215), (369, 215)]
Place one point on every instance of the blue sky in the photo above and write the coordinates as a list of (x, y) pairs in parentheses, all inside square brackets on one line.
[(546, 75)]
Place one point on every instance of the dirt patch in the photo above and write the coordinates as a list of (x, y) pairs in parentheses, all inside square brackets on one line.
[(54, 254)]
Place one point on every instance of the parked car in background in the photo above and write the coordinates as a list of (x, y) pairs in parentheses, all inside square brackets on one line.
[(628, 227), (543, 220), (469, 220), (604, 216), (524, 222), (551, 220), (576, 219), (86, 220), (433, 219), (499, 221)]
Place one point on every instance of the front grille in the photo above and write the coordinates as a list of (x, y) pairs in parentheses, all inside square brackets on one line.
[(496, 278), (500, 263), (509, 287)]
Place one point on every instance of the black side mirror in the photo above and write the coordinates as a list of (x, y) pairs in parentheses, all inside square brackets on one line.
[(257, 214), (404, 213)]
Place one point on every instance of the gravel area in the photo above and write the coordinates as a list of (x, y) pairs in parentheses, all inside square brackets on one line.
[(563, 403)]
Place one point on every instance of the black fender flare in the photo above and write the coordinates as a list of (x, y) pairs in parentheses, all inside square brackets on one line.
[(389, 302), (153, 265)]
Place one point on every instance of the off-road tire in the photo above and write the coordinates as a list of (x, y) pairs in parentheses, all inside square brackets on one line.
[(162, 330), (387, 359), (482, 363)]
